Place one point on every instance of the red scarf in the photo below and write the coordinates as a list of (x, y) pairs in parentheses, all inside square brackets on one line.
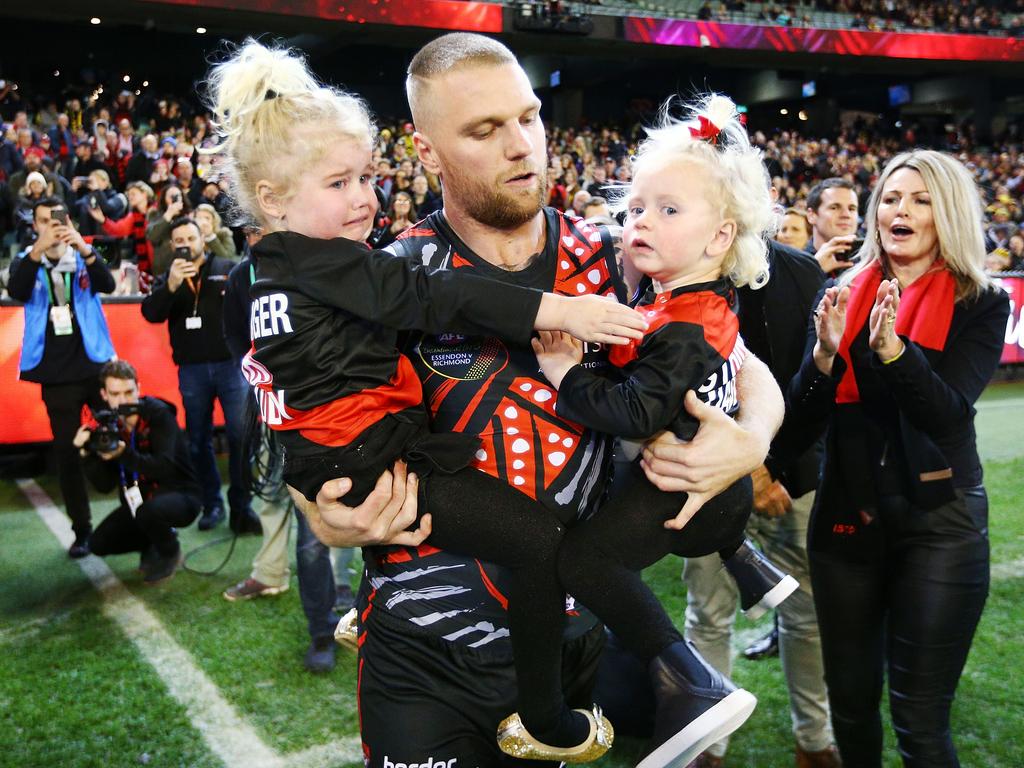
[(924, 315)]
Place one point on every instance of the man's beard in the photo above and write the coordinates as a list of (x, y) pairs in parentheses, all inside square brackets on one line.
[(498, 208)]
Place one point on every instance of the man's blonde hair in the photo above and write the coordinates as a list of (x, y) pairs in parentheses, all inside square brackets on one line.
[(445, 54)]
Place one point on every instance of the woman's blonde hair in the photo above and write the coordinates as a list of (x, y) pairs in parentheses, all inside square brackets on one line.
[(957, 213), (214, 216), (274, 120), (710, 133)]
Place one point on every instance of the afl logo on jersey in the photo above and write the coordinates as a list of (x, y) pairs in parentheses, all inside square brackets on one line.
[(465, 358)]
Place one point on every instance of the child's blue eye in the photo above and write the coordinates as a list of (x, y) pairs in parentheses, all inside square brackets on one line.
[(635, 211), (340, 184), (669, 210), (364, 179)]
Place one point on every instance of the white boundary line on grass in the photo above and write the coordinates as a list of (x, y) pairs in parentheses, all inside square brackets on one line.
[(227, 734)]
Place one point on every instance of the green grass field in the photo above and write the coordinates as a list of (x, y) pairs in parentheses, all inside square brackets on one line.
[(79, 684)]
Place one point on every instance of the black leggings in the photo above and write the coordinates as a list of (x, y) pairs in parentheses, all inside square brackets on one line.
[(597, 562), (904, 593)]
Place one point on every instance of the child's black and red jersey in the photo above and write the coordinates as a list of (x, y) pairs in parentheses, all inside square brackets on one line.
[(486, 386), (692, 342), (324, 314)]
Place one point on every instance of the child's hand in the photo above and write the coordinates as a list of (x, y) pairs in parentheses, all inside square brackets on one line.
[(557, 353), (602, 319)]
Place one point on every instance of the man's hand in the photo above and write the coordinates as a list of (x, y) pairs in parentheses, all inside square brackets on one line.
[(556, 353), (81, 437), (46, 240), (720, 454), (382, 518), (831, 256), (181, 269), (71, 236), (96, 214), (771, 499), (115, 454)]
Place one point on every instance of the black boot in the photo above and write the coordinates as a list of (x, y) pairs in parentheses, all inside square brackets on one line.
[(696, 706), (765, 646), (762, 586)]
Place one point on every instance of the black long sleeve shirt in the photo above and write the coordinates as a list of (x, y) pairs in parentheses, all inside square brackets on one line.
[(325, 318), (158, 455), (692, 343), (200, 345)]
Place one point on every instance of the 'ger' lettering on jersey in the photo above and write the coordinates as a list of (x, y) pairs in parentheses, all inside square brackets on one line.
[(484, 386)]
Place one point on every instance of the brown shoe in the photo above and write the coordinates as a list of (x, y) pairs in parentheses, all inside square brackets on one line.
[(250, 588), (826, 758), (707, 760)]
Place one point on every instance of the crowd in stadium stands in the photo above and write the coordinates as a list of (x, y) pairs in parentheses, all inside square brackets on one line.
[(1003, 17), (127, 166)]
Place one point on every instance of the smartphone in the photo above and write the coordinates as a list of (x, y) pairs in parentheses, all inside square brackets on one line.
[(855, 246), (175, 198), (183, 252), (59, 215)]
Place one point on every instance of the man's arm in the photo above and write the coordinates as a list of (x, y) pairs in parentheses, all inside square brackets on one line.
[(724, 449)]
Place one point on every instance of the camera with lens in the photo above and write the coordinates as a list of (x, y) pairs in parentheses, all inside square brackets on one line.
[(105, 437)]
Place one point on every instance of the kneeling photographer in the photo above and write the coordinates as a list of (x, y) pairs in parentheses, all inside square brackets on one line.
[(137, 445)]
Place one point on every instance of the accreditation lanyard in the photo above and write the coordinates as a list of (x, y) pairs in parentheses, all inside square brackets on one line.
[(53, 293), (60, 311), (195, 322), (132, 493)]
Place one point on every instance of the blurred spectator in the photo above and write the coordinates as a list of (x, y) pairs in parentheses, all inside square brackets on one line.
[(62, 144), (36, 189), (579, 201), (172, 204), (125, 145), (142, 166), (596, 211), (402, 215), (82, 164), (11, 160), (33, 164), (99, 197), (1016, 248), (794, 230), (104, 143), (424, 201), (217, 237), (133, 225)]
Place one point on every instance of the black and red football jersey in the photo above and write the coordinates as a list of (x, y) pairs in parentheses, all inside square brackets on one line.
[(492, 388), (692, 342)]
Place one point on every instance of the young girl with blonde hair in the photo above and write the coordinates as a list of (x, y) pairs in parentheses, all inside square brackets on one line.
[(698, 212)]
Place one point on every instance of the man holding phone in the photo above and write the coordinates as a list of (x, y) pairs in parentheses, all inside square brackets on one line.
[(832, 210), (66, 341), (189, 297)]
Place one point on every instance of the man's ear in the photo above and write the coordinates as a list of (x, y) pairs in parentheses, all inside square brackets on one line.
[(268, 200), (812, 218), (426, 153)]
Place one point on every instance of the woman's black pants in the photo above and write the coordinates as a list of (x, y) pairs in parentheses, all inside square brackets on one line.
[(903, 593)]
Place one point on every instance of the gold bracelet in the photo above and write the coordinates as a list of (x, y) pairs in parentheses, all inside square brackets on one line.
[(894, 359)]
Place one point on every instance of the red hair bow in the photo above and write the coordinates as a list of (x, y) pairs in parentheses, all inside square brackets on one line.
[(707, 130)]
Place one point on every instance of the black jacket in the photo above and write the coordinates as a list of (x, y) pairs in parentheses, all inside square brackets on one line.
[(236, 308), (912, 433), (205, 344), (160, 456), (786, 303)]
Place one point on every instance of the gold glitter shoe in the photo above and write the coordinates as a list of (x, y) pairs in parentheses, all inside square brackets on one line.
[(515, 740), (347, 632)]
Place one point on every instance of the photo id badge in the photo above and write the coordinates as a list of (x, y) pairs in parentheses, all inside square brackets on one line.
[(134, 498), (193, 323), (61, 319)]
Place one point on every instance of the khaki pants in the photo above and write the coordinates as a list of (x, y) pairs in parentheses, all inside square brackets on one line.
[(711, 602)]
